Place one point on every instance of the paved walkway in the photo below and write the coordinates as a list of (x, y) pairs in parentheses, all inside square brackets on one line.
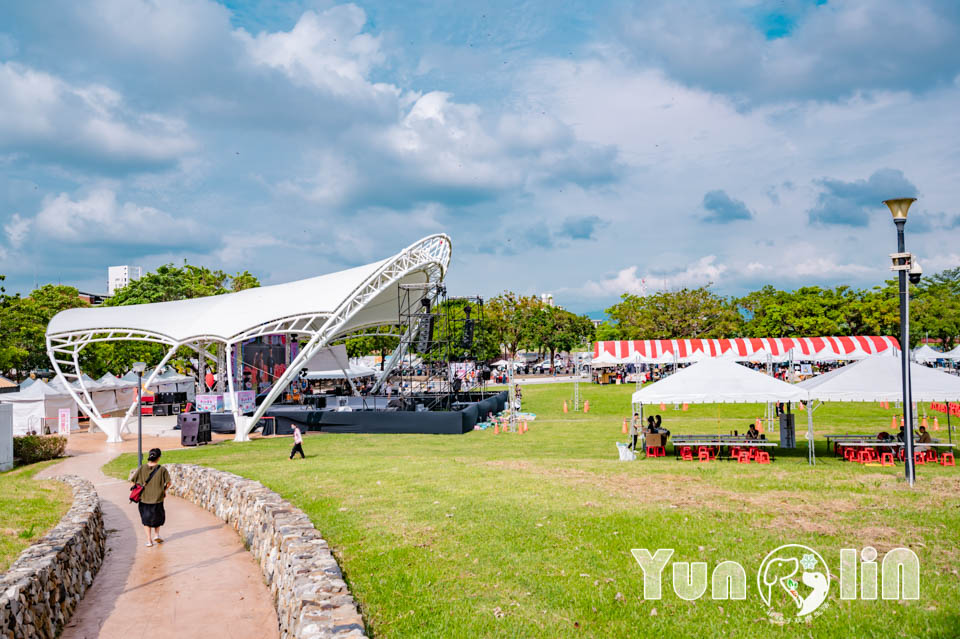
[(200, 582)]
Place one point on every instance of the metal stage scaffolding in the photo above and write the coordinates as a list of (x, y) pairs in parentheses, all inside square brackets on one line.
[(438, 346)]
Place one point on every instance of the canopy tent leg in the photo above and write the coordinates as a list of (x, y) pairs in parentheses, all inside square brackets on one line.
[(811, 448)]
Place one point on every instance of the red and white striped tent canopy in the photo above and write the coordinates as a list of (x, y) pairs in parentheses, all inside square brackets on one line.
[(777, 349)]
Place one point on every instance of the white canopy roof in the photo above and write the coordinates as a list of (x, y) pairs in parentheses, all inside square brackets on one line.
[(604, 359), (225, 317), (878, 379), (926, 354), (953, 353), (718, 381), (38, 389)]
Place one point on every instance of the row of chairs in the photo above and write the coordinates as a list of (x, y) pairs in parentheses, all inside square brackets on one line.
[(869, 455), (742, 455)]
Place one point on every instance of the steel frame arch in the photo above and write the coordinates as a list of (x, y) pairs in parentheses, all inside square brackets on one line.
[(431, 255)]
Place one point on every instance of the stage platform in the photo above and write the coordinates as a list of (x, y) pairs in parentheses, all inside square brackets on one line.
[(383, 415)]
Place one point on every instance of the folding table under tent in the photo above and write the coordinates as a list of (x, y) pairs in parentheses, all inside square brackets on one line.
[(879, 379), (719, 381), (319, 310)]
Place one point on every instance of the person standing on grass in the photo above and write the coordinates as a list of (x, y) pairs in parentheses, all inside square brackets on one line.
[(297, 443), (634, 431), (155, 480)]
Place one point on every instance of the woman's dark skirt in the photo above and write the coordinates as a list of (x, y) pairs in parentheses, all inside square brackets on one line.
[(152, 515)]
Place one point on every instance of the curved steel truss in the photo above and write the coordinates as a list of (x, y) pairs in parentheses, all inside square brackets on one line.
[(431, 256)]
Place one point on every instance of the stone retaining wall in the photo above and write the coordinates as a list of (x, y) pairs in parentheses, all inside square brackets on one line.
[(44, 585), (311, 597)]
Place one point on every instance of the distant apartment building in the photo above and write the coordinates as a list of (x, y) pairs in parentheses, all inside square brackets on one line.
[(546, 299), (93, 299), (120, 276)]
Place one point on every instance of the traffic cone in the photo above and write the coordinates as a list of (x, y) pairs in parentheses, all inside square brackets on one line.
[(663, 406), (893, 422), (564, 405), (901, 420), (760, 426), (936, 424), (624, 431), (520, 428), (525, 427), (924, 422), (586, 406), (686, 406), (496, 429)]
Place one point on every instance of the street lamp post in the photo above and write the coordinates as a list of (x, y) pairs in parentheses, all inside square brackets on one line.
[(902, 264), (138, 368)]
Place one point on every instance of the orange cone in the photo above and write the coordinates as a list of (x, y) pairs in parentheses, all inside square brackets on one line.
[(936, 424), (586, 407), (901, 420), (525, 427), (686, 406), (564, 405), (758, 423), (624, 426), (760, 426), (924, 422), (663, 406), (893, 422), (520, 428), (496, 429)]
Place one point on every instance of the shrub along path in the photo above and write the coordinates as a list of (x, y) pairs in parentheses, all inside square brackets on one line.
[(200, 582)]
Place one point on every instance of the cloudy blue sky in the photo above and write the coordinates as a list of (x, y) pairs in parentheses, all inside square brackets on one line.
[(579, 148)]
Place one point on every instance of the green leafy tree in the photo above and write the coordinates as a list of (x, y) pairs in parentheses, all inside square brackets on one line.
[(687, 313), (23, 327)]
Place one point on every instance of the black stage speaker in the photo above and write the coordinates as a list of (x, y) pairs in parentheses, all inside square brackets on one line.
[(467, 339), (424, 332), (161, 409), (788, 435), (194, 428)]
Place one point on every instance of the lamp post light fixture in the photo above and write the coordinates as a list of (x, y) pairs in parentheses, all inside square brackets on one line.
[(138, 368), (904, 265)]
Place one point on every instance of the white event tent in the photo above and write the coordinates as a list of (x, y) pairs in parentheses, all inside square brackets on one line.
[(721, 381), (318, 310), (953, 353), (925, 355), (718, 381), (878, 379), (39, 404), (332, 363)]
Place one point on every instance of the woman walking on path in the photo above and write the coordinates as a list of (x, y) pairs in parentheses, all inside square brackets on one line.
[(297, 443), (155, 480)]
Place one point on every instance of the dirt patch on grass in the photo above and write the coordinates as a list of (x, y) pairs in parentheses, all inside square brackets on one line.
[(782, 510)]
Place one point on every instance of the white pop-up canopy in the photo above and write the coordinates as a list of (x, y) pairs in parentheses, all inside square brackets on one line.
[(605, 359), (878, 379), (718, 381), (953, 353), (38, 405), (925, 354)]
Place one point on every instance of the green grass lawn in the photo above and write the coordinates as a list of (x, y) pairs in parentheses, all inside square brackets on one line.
[(530, 535), (28, 509)]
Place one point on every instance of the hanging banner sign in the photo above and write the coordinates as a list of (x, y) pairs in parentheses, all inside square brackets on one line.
[(63, 421)]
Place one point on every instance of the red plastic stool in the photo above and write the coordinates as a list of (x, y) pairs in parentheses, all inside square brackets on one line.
[(849, 454), (744, 457), (686, 455), (931, 456), (656, 451), (703, 455), (900, 455), (919, 458), (763, 457), (946, 459), (864, 456), (886, 459)]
